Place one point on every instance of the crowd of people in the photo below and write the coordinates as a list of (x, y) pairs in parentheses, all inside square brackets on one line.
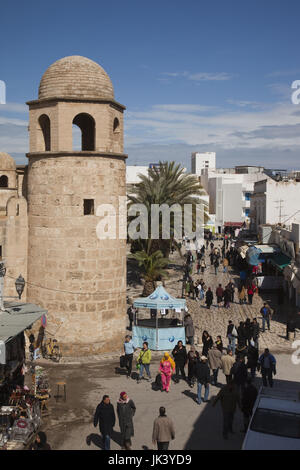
[(198, 290), (239, 360), (202, 369)]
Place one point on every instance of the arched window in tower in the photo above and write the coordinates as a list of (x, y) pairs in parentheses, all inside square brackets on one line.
[(116, 135), (3, 181), (44, 123), (86, 124), (116, 128)]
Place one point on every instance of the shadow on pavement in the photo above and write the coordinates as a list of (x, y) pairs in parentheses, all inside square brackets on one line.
[(207, 431), (208, 427), (190, 394), (95, 439), (120, 371)]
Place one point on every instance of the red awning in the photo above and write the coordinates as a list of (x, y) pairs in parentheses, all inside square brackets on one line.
[(233, 224)]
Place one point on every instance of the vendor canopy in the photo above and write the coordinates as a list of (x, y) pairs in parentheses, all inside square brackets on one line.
[(280, 260), (159, 299), (17, 317)]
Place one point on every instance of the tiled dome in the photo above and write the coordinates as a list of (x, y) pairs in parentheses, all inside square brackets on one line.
[(75, 77)]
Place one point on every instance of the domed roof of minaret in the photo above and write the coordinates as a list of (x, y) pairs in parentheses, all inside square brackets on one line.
[(76, 77), (7, 162)]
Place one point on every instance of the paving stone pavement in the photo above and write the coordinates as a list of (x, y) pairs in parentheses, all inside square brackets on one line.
[(216, 319)]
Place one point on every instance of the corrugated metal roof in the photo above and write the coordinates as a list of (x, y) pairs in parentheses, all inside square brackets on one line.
[(17, 317)]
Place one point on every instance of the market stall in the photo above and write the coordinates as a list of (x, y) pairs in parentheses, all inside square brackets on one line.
[(162, 326), (267, 263), (20, 407)]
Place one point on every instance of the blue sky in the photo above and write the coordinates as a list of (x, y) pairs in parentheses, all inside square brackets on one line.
[(194, 75)]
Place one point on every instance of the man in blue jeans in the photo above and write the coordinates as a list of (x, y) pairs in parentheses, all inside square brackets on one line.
[(129, 349), (266, 315), (105, 416), (202, 373), (267, 364), (231, 335)]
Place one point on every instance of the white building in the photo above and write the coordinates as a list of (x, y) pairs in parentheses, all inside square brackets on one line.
[(275, 202), (230, 191), (133, 172), (203, 160)]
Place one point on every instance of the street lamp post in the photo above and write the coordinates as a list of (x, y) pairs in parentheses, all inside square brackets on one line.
[(2, 274), (20, 284)]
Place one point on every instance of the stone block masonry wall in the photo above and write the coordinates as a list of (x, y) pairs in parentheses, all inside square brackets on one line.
[(84, 277)]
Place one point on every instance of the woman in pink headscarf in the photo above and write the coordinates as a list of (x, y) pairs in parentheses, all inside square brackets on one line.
[(166, 368)]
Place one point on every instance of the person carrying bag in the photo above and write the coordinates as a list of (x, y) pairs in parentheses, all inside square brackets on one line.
[(143, 362)]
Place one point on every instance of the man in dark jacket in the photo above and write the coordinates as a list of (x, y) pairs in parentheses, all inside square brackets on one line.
[(248, 331), (105, 416), (255, 332), (130, 313), (267, 364), (209, 298), (252, 356), (231, 288), (266, 315), (180, 356), (219, 294), (248, 400), (239, 373), (203, 378), (216, 265), (193, 357), (227, 297), (242, 339)]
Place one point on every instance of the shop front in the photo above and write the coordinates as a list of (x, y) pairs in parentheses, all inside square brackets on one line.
[(20, 411), (231, 227), (266, 263)]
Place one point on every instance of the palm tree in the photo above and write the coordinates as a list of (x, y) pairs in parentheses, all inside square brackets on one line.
[(151, 268), (166, 184)]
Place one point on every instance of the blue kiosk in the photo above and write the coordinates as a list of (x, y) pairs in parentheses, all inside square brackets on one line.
[(161, 333)]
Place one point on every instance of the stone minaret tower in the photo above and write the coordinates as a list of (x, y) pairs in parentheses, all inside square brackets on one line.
[(79, 278)]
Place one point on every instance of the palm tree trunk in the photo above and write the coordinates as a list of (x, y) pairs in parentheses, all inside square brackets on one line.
[(149, 287)]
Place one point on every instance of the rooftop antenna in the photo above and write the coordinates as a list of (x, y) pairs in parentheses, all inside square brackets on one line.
[(280, 208)]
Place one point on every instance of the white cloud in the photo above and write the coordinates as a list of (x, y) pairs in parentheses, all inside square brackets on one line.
[(200, 76), (203, 76), (192, 108), (14, 108), (247, 104), (16, 122), (284, 73), (275, 124), (283, 90)]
